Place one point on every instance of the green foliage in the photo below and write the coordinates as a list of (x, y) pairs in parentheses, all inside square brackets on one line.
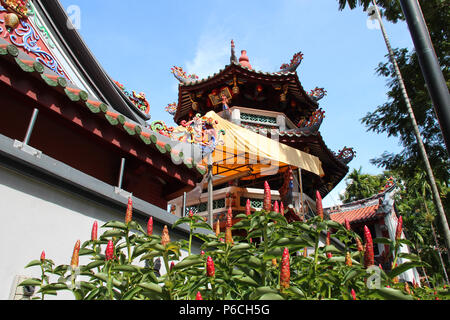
[(245, 270)]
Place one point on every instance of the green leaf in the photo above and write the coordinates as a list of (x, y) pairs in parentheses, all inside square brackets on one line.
[(240, 247), (30, 282), (202, 225), (404, 267), (393, 294), (188, 263), (383, 241), (296, 292), (93, 265), (115, 224), (132, 293), (260, 291), (33, 263), (409, 256), (85, 252), (153, 287), (406, 242), (332, 249), (271, 296), (245, 280), (251, 261), (241, 216), (333, 224), (181, 221), (126, 268)]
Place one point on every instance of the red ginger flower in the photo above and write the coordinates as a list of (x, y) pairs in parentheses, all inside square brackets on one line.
[(353, 294), (359, 245), (282, 208), (165, 238), (94, 231), (276, 207), (210, 270), (150, 226), (76, 255), (229, 218), (348, 259), (109, 253), (398, 232), (248, 208), (129, 214), (347, 225), (42, 256), (199, 296), (191, 213), (319, 207), (328, 241), (267, 197), (285, 275), (368, 254)]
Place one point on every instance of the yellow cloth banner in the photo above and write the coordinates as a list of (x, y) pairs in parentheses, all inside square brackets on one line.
[(244, 150)]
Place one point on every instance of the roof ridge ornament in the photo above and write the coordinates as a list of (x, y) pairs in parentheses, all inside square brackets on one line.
[(244, 61), (317, 94), (182, 76), (233, 58), (138, 99), (346, 155), (293, 64)]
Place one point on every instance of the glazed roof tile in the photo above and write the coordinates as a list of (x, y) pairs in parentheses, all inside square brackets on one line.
[(357, 214)]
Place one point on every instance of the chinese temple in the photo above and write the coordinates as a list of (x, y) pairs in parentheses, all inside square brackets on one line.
[(379, 215), (251, 104)]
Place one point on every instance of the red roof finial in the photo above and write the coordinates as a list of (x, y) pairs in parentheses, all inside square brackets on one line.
[(244, 61)]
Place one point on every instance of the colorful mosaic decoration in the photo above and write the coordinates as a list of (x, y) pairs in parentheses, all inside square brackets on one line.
[(293, 65), (200, 130), (18, 7), (182, 76), (172, 108), (21, 33), (139, 100), (318, 94)]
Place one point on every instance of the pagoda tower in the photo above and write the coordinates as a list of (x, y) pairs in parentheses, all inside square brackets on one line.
[(275, 105)]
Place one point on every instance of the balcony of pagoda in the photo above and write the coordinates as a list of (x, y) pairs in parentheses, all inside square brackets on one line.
[(254, 118), (236, 198)]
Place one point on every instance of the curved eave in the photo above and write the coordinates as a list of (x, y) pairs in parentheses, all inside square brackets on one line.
[(226, 74)]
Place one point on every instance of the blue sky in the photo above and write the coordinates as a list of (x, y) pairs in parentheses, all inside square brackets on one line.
[(138, 41)]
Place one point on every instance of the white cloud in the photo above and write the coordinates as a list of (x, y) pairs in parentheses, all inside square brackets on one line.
[(212, 53)]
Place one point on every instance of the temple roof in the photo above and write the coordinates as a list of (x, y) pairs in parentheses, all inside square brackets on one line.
[(366, 210), (284, 82)]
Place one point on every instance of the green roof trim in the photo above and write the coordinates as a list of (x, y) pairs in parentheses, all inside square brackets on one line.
[(72, 96)]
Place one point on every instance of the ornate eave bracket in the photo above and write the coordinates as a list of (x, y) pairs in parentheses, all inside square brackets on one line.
[(346, 155), (317, 94), (313, 124), (293, 64)]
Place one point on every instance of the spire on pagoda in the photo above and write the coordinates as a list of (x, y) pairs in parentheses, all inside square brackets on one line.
[(244, 61)]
